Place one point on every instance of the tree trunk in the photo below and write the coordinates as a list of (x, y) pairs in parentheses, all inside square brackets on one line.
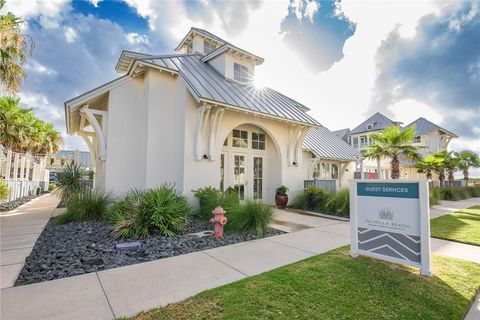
[(395, 164), (465, 175), (441, 177), (429, 174), (451, 178)]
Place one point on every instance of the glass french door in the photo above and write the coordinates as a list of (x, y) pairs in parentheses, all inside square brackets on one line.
[(239, 175), (257, 178)]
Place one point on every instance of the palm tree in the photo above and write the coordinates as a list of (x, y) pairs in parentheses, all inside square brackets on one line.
[(394, 143), (21, 131), (447, 162), (466, 160), (428, 165), (13, 51)]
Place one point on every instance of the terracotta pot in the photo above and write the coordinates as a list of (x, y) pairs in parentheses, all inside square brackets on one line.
[(281, 201)]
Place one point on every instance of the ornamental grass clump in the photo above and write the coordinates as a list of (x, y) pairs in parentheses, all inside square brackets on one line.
[(338, 203), (454, 193), (163, 209), (323, 201), (252, 217), (86, 206)]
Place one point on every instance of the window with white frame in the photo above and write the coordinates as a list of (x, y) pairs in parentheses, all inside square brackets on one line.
[(370, 140), (208, 46), (240, 138), (258, 141), (417, 139), (240, 72), (363, 141), (355, 142)]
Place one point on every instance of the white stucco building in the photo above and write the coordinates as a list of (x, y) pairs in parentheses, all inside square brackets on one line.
[(195, 119)]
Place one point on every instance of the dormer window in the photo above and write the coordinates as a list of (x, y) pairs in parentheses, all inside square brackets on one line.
[(370, 126), (208, 46), (240, 72)]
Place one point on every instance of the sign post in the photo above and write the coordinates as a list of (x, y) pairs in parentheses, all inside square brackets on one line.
[(390, 220)]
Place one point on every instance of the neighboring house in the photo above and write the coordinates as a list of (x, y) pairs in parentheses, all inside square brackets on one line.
[(342, 134), (328, 158), (57, 161), (430, 136), (194, 119)]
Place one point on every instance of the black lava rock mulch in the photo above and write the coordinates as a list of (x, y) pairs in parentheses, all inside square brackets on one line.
[(82, 247), (7, 206)]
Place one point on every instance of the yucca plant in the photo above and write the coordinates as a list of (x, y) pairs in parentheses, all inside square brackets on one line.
[(86, 206), (252, 217), (70, 182)]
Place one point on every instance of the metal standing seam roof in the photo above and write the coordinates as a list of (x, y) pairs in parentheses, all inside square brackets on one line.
[(424, 126), (379, 122), (208, 84), (341, 133), (326, 145)]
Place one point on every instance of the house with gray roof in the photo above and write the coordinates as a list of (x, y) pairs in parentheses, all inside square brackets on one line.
[(328, 159), (195, 118), (428, 135)]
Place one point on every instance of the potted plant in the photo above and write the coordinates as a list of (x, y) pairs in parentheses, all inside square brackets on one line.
[(281, 197)]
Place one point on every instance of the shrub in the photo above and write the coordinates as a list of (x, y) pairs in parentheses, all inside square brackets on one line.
[(52, 186), (4, 192), (207, 197), (338, 203), (435, 196), (321, 200), (210, 198), (70, 182), (252, 217), (473, 191), (454, 193), (281, 191), (86, 206), (163, 209)]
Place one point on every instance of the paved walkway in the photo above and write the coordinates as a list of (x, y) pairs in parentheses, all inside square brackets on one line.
[(128, 290), (19, 230)]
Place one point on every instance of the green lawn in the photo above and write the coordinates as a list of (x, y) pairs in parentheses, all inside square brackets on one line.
[(461, 226), (335, 286)]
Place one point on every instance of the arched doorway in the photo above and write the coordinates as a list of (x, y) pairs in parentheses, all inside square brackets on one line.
[(250, 163)]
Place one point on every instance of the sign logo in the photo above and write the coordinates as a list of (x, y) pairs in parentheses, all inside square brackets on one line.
[(385, 213)]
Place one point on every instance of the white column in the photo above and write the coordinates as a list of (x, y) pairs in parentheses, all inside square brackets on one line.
[(16, 162)]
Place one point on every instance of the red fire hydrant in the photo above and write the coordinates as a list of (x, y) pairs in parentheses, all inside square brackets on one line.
[(219, 220)]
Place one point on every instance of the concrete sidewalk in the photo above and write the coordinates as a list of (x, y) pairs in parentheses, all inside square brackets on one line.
[(19, 230), (446, 207), (128, 290)]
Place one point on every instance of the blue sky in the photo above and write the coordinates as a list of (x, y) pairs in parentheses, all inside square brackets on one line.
[(348, 59)]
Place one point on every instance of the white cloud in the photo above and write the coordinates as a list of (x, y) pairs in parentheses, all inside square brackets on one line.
[(70, 34)]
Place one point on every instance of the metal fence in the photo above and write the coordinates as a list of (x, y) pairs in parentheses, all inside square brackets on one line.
[(457, 183), (330, 185)]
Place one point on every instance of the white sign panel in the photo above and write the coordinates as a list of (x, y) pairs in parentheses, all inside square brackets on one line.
[(390, 220)]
